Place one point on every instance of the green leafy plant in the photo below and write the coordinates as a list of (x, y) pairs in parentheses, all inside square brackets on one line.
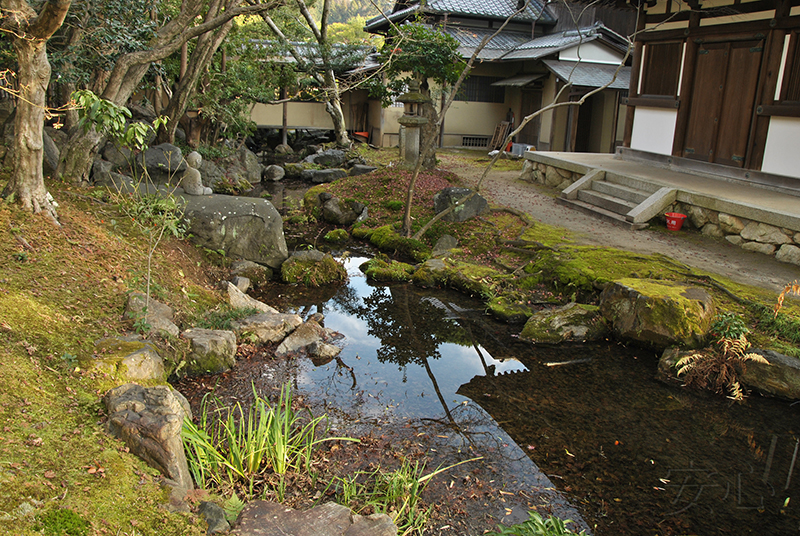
[(397, 493), (155, 214), (231, 445), (728, 325), (719, 368), (536, 525)]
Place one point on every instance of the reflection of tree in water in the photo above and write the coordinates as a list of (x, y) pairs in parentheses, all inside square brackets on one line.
[(410, 327)]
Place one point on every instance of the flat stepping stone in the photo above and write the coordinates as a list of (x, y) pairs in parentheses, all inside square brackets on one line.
[(267, 518)]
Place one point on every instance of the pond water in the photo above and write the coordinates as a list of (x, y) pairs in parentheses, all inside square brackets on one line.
[(625, 454)]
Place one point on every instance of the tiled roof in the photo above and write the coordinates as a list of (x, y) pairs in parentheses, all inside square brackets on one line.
[(590, 74), (541, 47), (536, 10), (501, 44)]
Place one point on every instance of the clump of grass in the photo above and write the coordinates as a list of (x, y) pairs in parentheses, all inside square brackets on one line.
[(536, 525), (232, 446)]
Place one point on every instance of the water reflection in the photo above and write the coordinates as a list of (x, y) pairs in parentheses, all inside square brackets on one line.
[(635, 455)]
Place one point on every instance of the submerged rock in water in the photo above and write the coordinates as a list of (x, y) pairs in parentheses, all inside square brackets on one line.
[(574, 322), (658, 314)]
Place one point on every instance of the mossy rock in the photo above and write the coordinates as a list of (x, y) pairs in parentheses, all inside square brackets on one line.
[(658, 314), (510, 309), (125, 359), (311, 197), (387, 240), (468, 278), (564, 272), (385, 270), (337, 236), (574, 322), (312, 269)]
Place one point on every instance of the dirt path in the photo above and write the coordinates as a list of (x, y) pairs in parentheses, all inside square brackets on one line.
[(689, 247)]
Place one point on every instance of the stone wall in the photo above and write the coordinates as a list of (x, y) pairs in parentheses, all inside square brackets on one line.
[(550, 175), (783, 244)]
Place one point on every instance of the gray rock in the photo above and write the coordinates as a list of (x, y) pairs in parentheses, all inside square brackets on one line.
[(712, 229), (764, 233), (211, 173), (120, 158), (319, 176), (333, 158), (249, 162), (361, 169), (700, 216), (303, 338), (283, 149), (258, 274), (239, 300), (50, 155), (573, 322), (444, 245), (294, 170), (164, 163), (214, 516), (158, 316), (730, 224), (789, 253), (450, 196), (241, 282), (266, 327), (242, 227), (212, 351), (149, 421), (735, 239), (127, 358), (342, 214), (273, 173), (758, 247), (266, 518), (657, 314), (101, 172)]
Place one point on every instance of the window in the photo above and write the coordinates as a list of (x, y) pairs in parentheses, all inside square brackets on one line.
[(480, 89), (661, 69)]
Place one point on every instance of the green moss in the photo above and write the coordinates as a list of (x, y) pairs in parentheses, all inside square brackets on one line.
[(63, 521), (385, 270), (312, 273), (311, 197), (336, 236), (510, 309), (387, 240)]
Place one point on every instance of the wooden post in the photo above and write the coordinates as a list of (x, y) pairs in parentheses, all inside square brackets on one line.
[(636, 69)]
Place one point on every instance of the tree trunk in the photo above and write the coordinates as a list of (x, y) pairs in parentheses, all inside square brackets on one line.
[(29, 36), (334, 108), (207, 46)]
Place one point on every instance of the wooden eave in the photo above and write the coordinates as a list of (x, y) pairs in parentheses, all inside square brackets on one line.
[(735, 8)]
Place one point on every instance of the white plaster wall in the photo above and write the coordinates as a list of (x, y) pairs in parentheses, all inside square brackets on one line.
[(780, 152), (299, 115), (590, 52), (653, 130)]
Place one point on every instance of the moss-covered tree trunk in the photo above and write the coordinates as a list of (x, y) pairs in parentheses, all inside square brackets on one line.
[(29, 33)]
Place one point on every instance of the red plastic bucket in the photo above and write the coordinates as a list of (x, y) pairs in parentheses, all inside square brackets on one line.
[(674, 220)]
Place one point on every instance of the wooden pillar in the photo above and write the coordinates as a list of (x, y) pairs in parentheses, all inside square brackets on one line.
[(285, 122), (687, 84), (636, 70)]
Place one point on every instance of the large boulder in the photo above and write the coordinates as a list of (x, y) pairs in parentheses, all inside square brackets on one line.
[(657, 314), (240, 300), (574, 322), (149, 421), (448, 197), (266, 518), (212, 350), (241, 227)]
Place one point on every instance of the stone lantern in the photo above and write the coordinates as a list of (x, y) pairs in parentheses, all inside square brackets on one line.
[(412, 121)]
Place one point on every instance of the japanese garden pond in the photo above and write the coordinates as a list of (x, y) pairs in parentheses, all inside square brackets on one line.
[(583, 431)]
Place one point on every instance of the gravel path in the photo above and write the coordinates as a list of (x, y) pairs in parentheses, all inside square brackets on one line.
[(687, 246)]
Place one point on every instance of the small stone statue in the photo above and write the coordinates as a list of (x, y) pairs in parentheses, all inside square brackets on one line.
[(191, 180)]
